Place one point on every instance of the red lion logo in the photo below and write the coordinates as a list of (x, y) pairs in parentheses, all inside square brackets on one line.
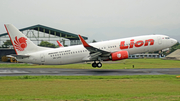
[(20, 44)]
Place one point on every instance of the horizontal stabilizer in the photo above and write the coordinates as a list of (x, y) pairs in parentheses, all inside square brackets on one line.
[(17, 56)]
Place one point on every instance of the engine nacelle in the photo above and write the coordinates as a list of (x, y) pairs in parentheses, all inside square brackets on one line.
[(119, 55)]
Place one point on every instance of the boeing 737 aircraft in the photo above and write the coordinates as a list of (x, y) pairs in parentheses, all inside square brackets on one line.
[(28, 52)]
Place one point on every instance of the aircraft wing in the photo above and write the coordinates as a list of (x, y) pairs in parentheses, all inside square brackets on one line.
[(95, 53)]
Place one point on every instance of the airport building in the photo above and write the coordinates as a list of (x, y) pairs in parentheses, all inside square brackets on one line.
[(135, 56), (38, 33), (174, 55)]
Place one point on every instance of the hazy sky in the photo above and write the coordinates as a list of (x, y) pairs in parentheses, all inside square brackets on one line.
[(96, 19)]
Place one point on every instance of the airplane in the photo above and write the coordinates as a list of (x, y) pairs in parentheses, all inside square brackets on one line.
[(112, 50), (60, 45)]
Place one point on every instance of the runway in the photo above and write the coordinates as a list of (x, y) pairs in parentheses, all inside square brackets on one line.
[(76, 72)]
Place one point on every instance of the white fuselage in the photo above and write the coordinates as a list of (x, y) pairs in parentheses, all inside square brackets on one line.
[(74, 54)]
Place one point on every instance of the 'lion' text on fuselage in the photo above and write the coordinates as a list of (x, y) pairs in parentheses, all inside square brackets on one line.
[(137, 44)]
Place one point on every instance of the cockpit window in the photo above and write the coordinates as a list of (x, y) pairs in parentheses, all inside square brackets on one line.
[(167, 38)]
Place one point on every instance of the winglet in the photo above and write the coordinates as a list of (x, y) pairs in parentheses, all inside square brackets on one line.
[(84, 42), (60, 45)]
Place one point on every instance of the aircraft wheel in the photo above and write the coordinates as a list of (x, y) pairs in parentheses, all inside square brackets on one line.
[(99, 65), (94, 65), (162, 55)]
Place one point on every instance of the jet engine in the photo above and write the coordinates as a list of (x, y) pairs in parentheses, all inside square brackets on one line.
[(119, 55)]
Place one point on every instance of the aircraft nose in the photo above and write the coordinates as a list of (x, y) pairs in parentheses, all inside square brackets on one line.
[(173, 41)]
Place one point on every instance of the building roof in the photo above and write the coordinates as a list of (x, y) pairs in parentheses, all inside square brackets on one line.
[(174, 55), (51, 31)]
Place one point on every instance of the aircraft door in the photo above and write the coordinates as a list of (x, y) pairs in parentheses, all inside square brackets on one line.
[(159, 40), (61, 59), (42, 58)]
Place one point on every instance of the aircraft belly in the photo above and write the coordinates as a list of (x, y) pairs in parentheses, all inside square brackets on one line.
[(25, 60)]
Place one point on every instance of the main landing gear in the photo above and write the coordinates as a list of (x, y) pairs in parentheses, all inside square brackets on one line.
[(161, 54), (99, 65)]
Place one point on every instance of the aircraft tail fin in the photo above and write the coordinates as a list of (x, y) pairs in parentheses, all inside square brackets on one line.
[(22, 45)]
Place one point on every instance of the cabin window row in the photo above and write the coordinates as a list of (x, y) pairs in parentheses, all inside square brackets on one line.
[(111, 46), (107, 47), (75, 52)]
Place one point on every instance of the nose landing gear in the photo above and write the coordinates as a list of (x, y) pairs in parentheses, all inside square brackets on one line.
[(99, 65)]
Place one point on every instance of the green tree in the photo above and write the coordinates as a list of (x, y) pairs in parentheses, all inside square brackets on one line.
[(47, 44), (7, 43), (176, 46), (94, 41)]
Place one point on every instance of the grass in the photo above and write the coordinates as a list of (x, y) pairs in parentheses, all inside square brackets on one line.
[(93, 88), (90, 88), (123, 64), (27, 77)]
